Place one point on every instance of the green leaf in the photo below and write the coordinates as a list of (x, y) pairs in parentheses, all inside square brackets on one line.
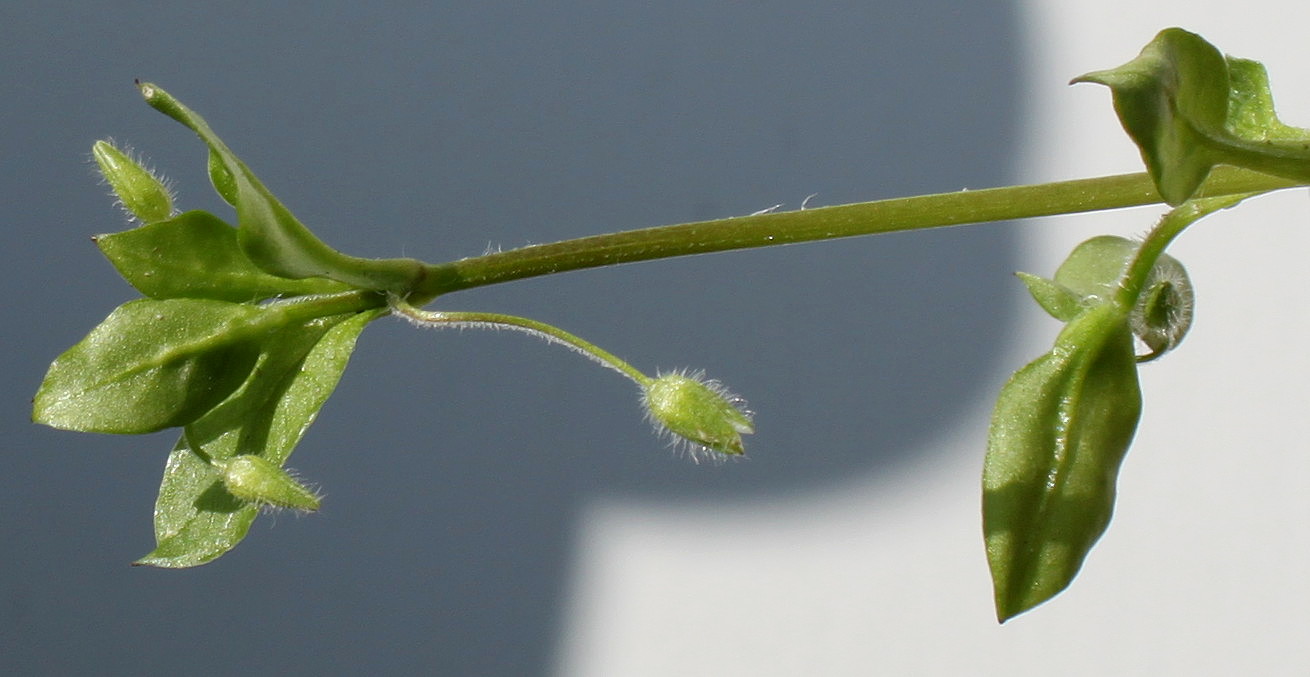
[(223, 181), (1171, 99), (195, 255), (1056, 299), (1251, 112), (1188, 108), (1063, 423), (268, 232), (196, 518), (1094, 268), (1060, 430), (152, 364)]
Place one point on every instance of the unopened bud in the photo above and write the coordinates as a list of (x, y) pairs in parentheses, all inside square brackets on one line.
[(142, 194), (698, 412), (1164, 311), (255, 479)]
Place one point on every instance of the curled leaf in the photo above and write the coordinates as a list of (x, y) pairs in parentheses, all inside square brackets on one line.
[(224, 183), (268, 232), (1189, 108), (1162, 315)]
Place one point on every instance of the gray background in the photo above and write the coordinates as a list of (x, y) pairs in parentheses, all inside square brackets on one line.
[(454, 464)]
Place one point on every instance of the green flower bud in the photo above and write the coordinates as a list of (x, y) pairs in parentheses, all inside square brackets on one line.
[(1163, 313), (141, 194), (700, 415), (255, 479)]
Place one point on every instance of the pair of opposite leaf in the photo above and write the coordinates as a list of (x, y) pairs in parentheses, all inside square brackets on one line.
[(1063, 423), (238, 358), (243, 334)]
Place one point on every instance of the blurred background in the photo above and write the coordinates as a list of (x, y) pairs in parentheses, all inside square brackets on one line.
[(497, 506)]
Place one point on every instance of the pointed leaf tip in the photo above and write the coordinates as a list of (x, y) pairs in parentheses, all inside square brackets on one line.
[(152, 364), (1061, 427), (1189, 108)]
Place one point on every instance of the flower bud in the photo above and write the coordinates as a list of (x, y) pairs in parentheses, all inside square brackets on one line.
[(1163, 313), (699, 414), (255, 479), (142, 194)]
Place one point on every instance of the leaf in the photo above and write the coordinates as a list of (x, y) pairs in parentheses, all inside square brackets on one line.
[(224, 184), (1251, 105), (195, 255), (1095, 272), (1060, 430), (1188, 108), (196, 519), (1063, 423), (1171, 99), (1056, 299), (152, 364), (268, 232), (1094, 268)]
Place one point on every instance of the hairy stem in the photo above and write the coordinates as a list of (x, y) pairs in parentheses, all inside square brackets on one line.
[(1171, 226), (807, 225), (546, 332)]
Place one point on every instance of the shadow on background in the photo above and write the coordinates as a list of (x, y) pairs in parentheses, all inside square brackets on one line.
[(454, 464)]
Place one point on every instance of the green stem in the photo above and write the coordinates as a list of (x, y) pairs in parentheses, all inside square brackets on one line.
[(806, 225), (1171, 226), (546, 332), (306, 308)]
